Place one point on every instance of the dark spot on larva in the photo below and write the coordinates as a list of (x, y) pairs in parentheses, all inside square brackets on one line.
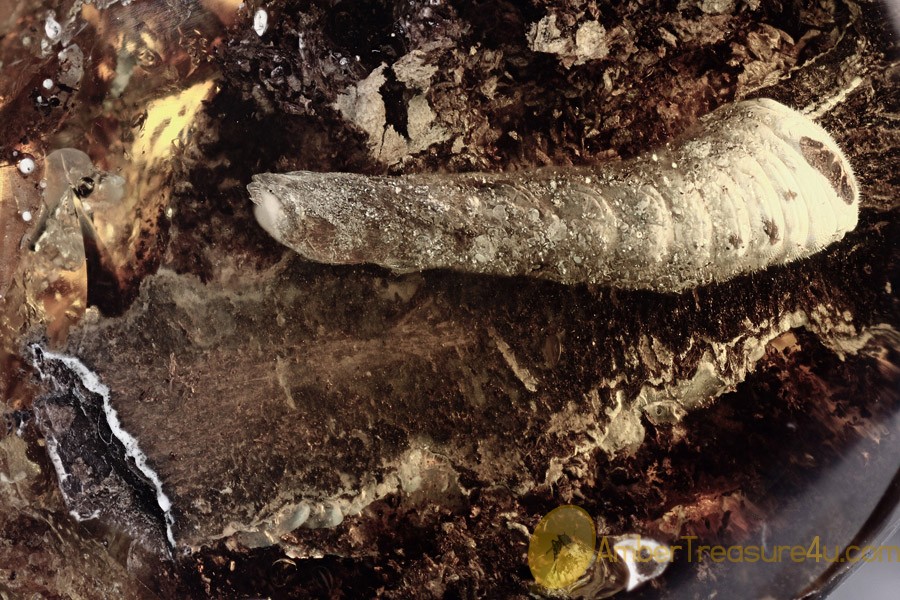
[(846, 190), (734, 241), (830, 165), (159, 129), (771, 230), (790, 195)]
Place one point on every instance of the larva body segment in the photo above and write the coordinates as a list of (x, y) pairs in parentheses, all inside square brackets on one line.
[(755, 184)]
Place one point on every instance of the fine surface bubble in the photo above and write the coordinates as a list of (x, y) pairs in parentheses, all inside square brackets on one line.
[(26, 166)]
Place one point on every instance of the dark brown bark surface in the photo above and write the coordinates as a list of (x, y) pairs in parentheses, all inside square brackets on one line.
[(443, 414)]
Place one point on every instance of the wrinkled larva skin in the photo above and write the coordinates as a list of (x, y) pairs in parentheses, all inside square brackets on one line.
[(755, 184)]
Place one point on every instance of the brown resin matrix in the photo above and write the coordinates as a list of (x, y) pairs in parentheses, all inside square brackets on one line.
[(754, 184)]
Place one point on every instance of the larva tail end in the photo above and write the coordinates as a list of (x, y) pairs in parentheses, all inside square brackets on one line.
[(812, 141), (818, 149), (825, 156)]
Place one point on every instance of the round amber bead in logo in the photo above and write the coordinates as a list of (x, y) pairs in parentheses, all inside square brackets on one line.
[(562, 547)]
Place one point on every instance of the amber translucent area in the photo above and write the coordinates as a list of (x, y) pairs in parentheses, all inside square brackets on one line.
[(341, 431)]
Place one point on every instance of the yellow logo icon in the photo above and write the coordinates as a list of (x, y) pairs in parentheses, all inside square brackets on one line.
[(562, 547)]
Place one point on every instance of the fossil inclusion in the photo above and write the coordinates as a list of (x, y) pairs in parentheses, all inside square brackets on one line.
[(513, 256), (756, 184)]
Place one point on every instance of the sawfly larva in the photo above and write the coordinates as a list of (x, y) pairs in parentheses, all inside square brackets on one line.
[(754, 184)]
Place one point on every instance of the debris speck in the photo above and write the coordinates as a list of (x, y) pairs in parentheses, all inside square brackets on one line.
[(52, 28), (260, 22)]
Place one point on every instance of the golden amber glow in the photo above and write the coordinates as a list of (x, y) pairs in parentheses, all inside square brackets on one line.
[(562, 547), (168, 120)]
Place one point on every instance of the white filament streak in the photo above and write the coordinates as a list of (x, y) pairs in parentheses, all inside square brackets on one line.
[(92, 383)]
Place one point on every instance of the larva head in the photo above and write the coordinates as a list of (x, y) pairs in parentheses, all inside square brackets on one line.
[(325, 217), (268, 209), (828, 171), (290, 208)]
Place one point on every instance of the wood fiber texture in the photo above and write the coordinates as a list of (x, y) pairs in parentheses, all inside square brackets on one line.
[(399, 436)]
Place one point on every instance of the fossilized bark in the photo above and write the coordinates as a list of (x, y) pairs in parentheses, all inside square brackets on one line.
[(440, 415)]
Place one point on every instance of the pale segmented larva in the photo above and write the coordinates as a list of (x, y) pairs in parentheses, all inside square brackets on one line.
[(755, 184)]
